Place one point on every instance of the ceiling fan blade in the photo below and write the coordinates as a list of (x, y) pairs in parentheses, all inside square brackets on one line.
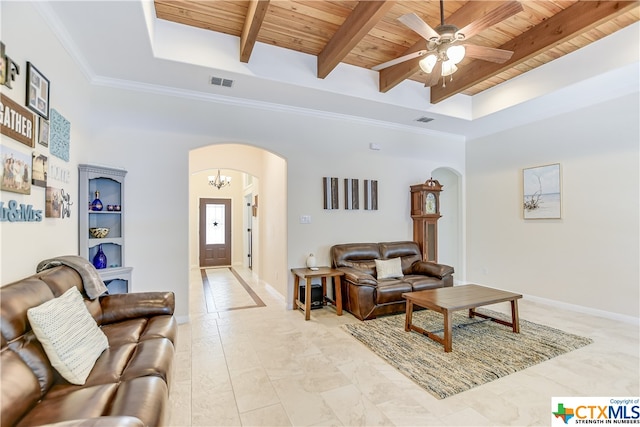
[(434, 76), (400, 59), (485, 53), (414, 22), (497, 15)]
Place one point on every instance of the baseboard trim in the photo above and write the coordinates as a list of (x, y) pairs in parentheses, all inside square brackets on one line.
[(182, 319), (586, 310)]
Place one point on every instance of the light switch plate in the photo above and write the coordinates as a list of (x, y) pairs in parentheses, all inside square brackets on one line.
[(305, 219)]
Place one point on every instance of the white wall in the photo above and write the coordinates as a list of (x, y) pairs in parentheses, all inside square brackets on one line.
[(589, 257), (450, 225), (161, 131), (24, 244)]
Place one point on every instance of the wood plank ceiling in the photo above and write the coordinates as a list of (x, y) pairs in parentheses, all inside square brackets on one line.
[(367, 33)]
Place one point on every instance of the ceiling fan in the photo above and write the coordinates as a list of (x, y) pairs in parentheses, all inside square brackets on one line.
[(445, 44)]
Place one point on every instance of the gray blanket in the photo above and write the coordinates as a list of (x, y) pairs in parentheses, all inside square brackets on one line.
[(93, 284)]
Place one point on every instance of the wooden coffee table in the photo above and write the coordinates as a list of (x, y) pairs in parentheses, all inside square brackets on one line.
[(448, 300)]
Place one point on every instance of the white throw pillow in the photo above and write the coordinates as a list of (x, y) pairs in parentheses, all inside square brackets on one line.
[(69, 335), (389, 268)]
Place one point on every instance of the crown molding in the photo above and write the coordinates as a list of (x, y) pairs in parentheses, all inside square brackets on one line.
[(261, 105), (70, 46), (52, 20)]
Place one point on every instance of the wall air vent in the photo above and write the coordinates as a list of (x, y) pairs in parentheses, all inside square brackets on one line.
[(219, 81), (424, 119)]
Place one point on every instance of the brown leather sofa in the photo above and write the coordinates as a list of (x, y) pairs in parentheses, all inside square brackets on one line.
[(129, 383), (365, 296)]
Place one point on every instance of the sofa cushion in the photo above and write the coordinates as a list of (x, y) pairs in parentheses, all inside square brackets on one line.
[(356, 255), (420, 283), (391, 290), (86, 402), (19, 386), (69, 335), (389, 268)]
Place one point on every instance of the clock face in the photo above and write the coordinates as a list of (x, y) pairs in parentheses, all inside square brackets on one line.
[(430, 204)]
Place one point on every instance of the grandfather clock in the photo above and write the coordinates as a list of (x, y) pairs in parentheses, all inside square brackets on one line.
[(425, 212)]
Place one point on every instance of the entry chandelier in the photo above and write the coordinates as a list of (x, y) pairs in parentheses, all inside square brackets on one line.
[(219, 181)]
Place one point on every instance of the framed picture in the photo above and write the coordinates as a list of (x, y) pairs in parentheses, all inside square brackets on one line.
[(330, 192), (371, 194), (37, 91), (43, 132), (542, 192), (40, 167), (351, 193), (15, 175), (53, 202)]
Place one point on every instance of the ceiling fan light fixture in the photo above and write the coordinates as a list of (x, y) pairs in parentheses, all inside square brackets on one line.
[(456, 53), (428, 62), (448, 68)]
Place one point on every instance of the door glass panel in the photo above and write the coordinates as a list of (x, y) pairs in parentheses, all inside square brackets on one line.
[(215, 224)]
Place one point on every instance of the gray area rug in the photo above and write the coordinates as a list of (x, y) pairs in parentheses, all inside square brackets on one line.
[(482, 350)]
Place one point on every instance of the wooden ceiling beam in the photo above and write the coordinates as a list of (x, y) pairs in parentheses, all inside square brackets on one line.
[(393, 76), (559, 28), (359, 22), (253, 21)]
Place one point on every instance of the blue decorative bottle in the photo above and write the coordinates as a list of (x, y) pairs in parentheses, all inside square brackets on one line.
[(100, 259), (96, 205)]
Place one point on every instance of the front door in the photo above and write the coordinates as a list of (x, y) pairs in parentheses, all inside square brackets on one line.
[(215, 232)]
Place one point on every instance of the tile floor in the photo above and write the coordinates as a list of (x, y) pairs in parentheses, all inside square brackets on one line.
[(266, 366)]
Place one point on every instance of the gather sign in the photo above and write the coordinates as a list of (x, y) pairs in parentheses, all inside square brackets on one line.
[(16, 121)]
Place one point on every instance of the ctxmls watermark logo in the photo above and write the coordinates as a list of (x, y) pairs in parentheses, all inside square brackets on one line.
[(594, 410)]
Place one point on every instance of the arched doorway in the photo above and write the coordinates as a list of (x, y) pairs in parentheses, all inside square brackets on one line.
[(259, 175)]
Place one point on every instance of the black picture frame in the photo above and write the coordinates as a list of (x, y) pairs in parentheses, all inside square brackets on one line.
[(37, 93)]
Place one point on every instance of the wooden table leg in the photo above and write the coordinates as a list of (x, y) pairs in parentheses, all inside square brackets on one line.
[(296, 288), (409, 316), (515, 319), (447, 331), (307, 300), (338, 294), (323, 280)]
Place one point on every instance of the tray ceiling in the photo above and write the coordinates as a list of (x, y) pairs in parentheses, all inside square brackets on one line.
[(368, 33)]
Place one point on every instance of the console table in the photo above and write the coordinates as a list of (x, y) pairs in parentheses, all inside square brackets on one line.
[(307, 274)]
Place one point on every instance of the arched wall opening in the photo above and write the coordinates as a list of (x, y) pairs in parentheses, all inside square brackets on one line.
[(451, 225), (254, 172)]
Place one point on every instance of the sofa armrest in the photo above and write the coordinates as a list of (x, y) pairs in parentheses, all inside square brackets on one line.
[(358, 277), (107, 421), (120, 307), (431, 269)]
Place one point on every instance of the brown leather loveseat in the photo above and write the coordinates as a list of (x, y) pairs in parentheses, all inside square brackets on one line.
[(366, 295), (127, 386)]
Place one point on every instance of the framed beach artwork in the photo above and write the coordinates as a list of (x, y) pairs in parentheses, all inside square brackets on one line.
[(542, 192)]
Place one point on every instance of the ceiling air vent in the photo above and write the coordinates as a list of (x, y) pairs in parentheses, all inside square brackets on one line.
[(219, 81), (424, 119)]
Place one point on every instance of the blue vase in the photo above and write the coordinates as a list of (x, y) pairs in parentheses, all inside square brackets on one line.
[(100, 259), (96, 205)]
